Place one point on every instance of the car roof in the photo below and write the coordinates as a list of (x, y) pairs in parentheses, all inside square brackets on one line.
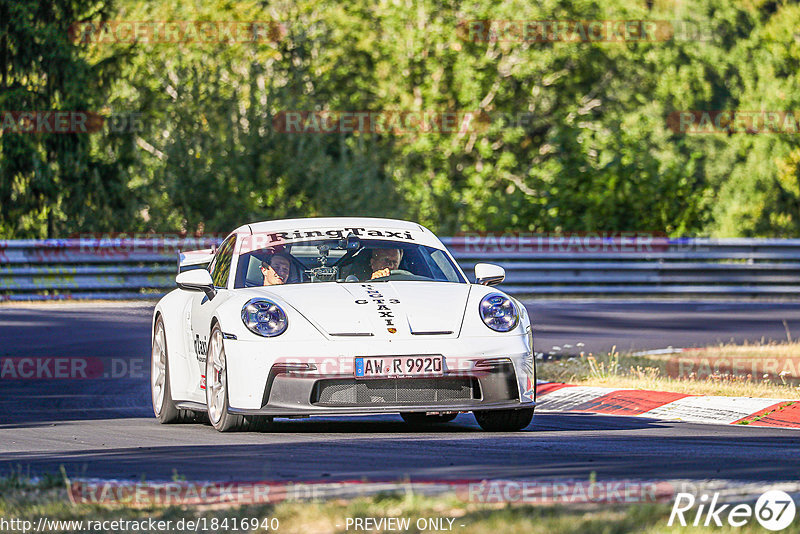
[(329, 222), (371, 227)]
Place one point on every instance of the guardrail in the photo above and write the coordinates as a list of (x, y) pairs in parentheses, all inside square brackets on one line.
[(91, 268), (595, 266), (577, 266)]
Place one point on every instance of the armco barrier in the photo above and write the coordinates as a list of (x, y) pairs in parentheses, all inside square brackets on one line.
[(547, 266), (596, 266), (118, 268)]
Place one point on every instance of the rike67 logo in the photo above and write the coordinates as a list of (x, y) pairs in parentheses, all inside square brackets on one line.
[(774, 510)]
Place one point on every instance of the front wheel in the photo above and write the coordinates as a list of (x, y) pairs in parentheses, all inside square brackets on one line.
[(217, 391), (504, 420), (217, 385)]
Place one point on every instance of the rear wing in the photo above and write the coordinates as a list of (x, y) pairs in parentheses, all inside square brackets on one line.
[(194, 259)]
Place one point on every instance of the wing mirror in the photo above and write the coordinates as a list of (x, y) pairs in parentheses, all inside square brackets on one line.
[(197, 280), (489, 274)]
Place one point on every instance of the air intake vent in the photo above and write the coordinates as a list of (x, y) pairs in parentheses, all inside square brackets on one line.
[(402, 391)]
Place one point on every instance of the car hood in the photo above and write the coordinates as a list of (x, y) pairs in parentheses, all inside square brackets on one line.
[(392, 310)]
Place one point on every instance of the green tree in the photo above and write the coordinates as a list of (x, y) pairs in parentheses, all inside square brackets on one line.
[(52, 184)]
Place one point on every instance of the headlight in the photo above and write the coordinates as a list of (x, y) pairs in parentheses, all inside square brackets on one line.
[(264, 317), (498, 312)]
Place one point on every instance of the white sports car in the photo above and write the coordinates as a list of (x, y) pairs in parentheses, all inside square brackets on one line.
[(337, 316)]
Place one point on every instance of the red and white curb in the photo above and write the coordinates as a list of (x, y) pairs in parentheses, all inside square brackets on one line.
[(669, 406)]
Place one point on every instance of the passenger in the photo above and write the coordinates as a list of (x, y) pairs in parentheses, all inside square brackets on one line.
[(276, 269)]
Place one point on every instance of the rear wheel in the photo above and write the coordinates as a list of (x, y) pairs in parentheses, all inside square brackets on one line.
[(504, 420), (217, 392), (421, 418), (163, 406)]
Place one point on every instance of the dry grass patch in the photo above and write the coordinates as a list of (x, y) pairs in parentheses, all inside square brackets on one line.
[(766, 370)]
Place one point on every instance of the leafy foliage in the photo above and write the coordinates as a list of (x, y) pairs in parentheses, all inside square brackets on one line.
[(54, 183), (570, 136)]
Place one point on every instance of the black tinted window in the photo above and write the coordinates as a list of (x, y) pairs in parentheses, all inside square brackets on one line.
[(330, 260)]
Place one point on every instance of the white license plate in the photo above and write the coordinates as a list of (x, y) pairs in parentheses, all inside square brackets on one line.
[(390, 366)]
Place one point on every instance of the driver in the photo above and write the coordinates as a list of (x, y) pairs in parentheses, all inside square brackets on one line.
[(276, 269), (384, 260)]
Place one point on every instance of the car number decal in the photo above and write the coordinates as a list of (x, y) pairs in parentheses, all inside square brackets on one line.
[(383, 308)]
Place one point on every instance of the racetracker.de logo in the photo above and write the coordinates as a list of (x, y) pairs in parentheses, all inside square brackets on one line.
[(115, 244), (70, 368), (693, 122), (567, 492), (144, 494), (567, 243), (581, 31), (177, 32), (396, 122), (50, 122), (704, 367), (418, 366)]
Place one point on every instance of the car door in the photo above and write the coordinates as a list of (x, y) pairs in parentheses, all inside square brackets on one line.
[(202, 308)]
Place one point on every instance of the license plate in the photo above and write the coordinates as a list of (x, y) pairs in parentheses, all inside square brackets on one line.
[(390, 366)]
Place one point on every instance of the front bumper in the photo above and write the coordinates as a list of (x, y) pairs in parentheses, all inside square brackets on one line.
[(480, 374), (289, 393)]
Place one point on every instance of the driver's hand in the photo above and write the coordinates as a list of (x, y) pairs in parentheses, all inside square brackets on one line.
[(381, 273)]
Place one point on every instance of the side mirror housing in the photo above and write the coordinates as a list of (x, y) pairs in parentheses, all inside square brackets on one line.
[(489, 274), (197, 280)]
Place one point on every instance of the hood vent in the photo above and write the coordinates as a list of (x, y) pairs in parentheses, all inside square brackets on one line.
[(433, 333), (352, 334)]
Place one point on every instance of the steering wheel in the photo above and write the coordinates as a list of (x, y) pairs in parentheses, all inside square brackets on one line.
[(395, 272)]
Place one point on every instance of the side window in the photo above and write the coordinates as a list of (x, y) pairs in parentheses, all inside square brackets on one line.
[(444, 266), (221, 266)]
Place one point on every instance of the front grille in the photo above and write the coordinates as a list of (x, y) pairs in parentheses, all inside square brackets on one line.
[(405, 391)]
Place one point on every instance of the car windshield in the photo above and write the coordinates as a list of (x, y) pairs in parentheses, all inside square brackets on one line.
[(345, 261)]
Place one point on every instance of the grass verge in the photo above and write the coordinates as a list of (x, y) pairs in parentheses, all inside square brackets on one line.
[(767, 370), (29, 502)]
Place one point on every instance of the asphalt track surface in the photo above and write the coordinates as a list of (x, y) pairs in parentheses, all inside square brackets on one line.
[(104, 427)]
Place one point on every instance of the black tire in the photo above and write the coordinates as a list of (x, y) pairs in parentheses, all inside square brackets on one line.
[(421, 418), (228, 422), (169, 413), (504, 420), (256, 423)]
